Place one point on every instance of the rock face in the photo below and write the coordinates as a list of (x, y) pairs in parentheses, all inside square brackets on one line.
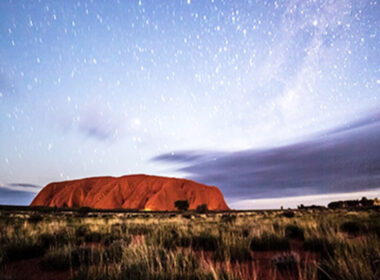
[(140, 192)]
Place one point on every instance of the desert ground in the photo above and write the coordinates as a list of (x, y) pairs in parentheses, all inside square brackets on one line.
[(43, 243)]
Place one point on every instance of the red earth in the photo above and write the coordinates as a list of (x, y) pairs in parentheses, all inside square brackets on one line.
[(142, 192)]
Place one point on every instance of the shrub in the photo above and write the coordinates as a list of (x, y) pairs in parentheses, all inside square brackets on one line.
[(82, 231), (35, 218), (169, 238), (288, 261), (319, 245), (48, 240), (288, 214), (205, 241), (357, 261), (115, 236), (2, 256), (114, 253), (181, 205), (84, 210), (351, 227), (245, 232), (93, 237), (276, 227), (294, 232), (227, 218), (138, 230), (269, 242), (187, 216), (23, 250), (137, 270), (56, 261), (119, 228), (85, 256), (202, 208), (235, 253), (375, 228)]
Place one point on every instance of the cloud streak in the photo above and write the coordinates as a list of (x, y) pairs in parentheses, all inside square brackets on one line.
[(24, 187), (346, 159), (17, 193)]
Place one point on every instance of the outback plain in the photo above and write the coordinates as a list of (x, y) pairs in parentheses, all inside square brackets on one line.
[(308, 243)]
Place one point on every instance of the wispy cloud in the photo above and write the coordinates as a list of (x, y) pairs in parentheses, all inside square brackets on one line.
[(94, 119), (18, 193), (98, 125), (25, 187), (12, 197), (346, 159)]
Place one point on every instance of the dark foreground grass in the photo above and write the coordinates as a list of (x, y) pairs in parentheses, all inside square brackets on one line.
[(259, 245)]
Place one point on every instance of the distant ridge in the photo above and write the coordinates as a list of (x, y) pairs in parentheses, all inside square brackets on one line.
[(142, 192)]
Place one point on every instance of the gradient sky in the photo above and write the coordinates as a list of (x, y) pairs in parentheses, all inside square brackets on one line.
[(90, 88)]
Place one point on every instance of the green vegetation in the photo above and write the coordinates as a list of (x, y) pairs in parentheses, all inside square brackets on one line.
[(311, 244)]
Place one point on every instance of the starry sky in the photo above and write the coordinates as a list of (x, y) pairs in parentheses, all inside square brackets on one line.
[(265, 99)]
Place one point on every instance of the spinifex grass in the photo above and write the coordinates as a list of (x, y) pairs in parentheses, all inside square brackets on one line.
[(247, 245)]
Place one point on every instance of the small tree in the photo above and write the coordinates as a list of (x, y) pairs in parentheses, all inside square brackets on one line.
[(181, 205), (202, 208)]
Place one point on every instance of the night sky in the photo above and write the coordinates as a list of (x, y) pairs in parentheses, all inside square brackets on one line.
[(265, 99)]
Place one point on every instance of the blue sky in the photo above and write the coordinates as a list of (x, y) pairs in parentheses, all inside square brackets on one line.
[(90, 88)]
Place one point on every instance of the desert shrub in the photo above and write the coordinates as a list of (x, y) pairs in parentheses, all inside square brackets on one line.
[(59, 239), (114, 253), (83, 210), (82, 231), (205, 241), (119, 228), (276, 227), (185, 262), (123, 228), (57, 260), (351, 227), (93, 237), (320, 245), (187, 216), (227, 218), (288, 214), (352, 261), (234, 253), (85, 256), (375, 228), (269, 242), (202, 208), (245, 232), (23, 250), (35, 218), (2, 256), (137, 270), (115, 236), (139, 230), (46, 240), (294, 232), (97, 273), (181, 205), (287, 261), (169, 238)]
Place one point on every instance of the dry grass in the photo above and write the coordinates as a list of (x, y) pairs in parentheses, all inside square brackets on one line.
[(248, 245)]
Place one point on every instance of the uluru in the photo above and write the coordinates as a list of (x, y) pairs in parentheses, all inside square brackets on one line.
[(140, 192)]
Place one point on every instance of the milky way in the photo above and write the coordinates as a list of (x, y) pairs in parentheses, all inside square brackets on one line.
[(91, 88)]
